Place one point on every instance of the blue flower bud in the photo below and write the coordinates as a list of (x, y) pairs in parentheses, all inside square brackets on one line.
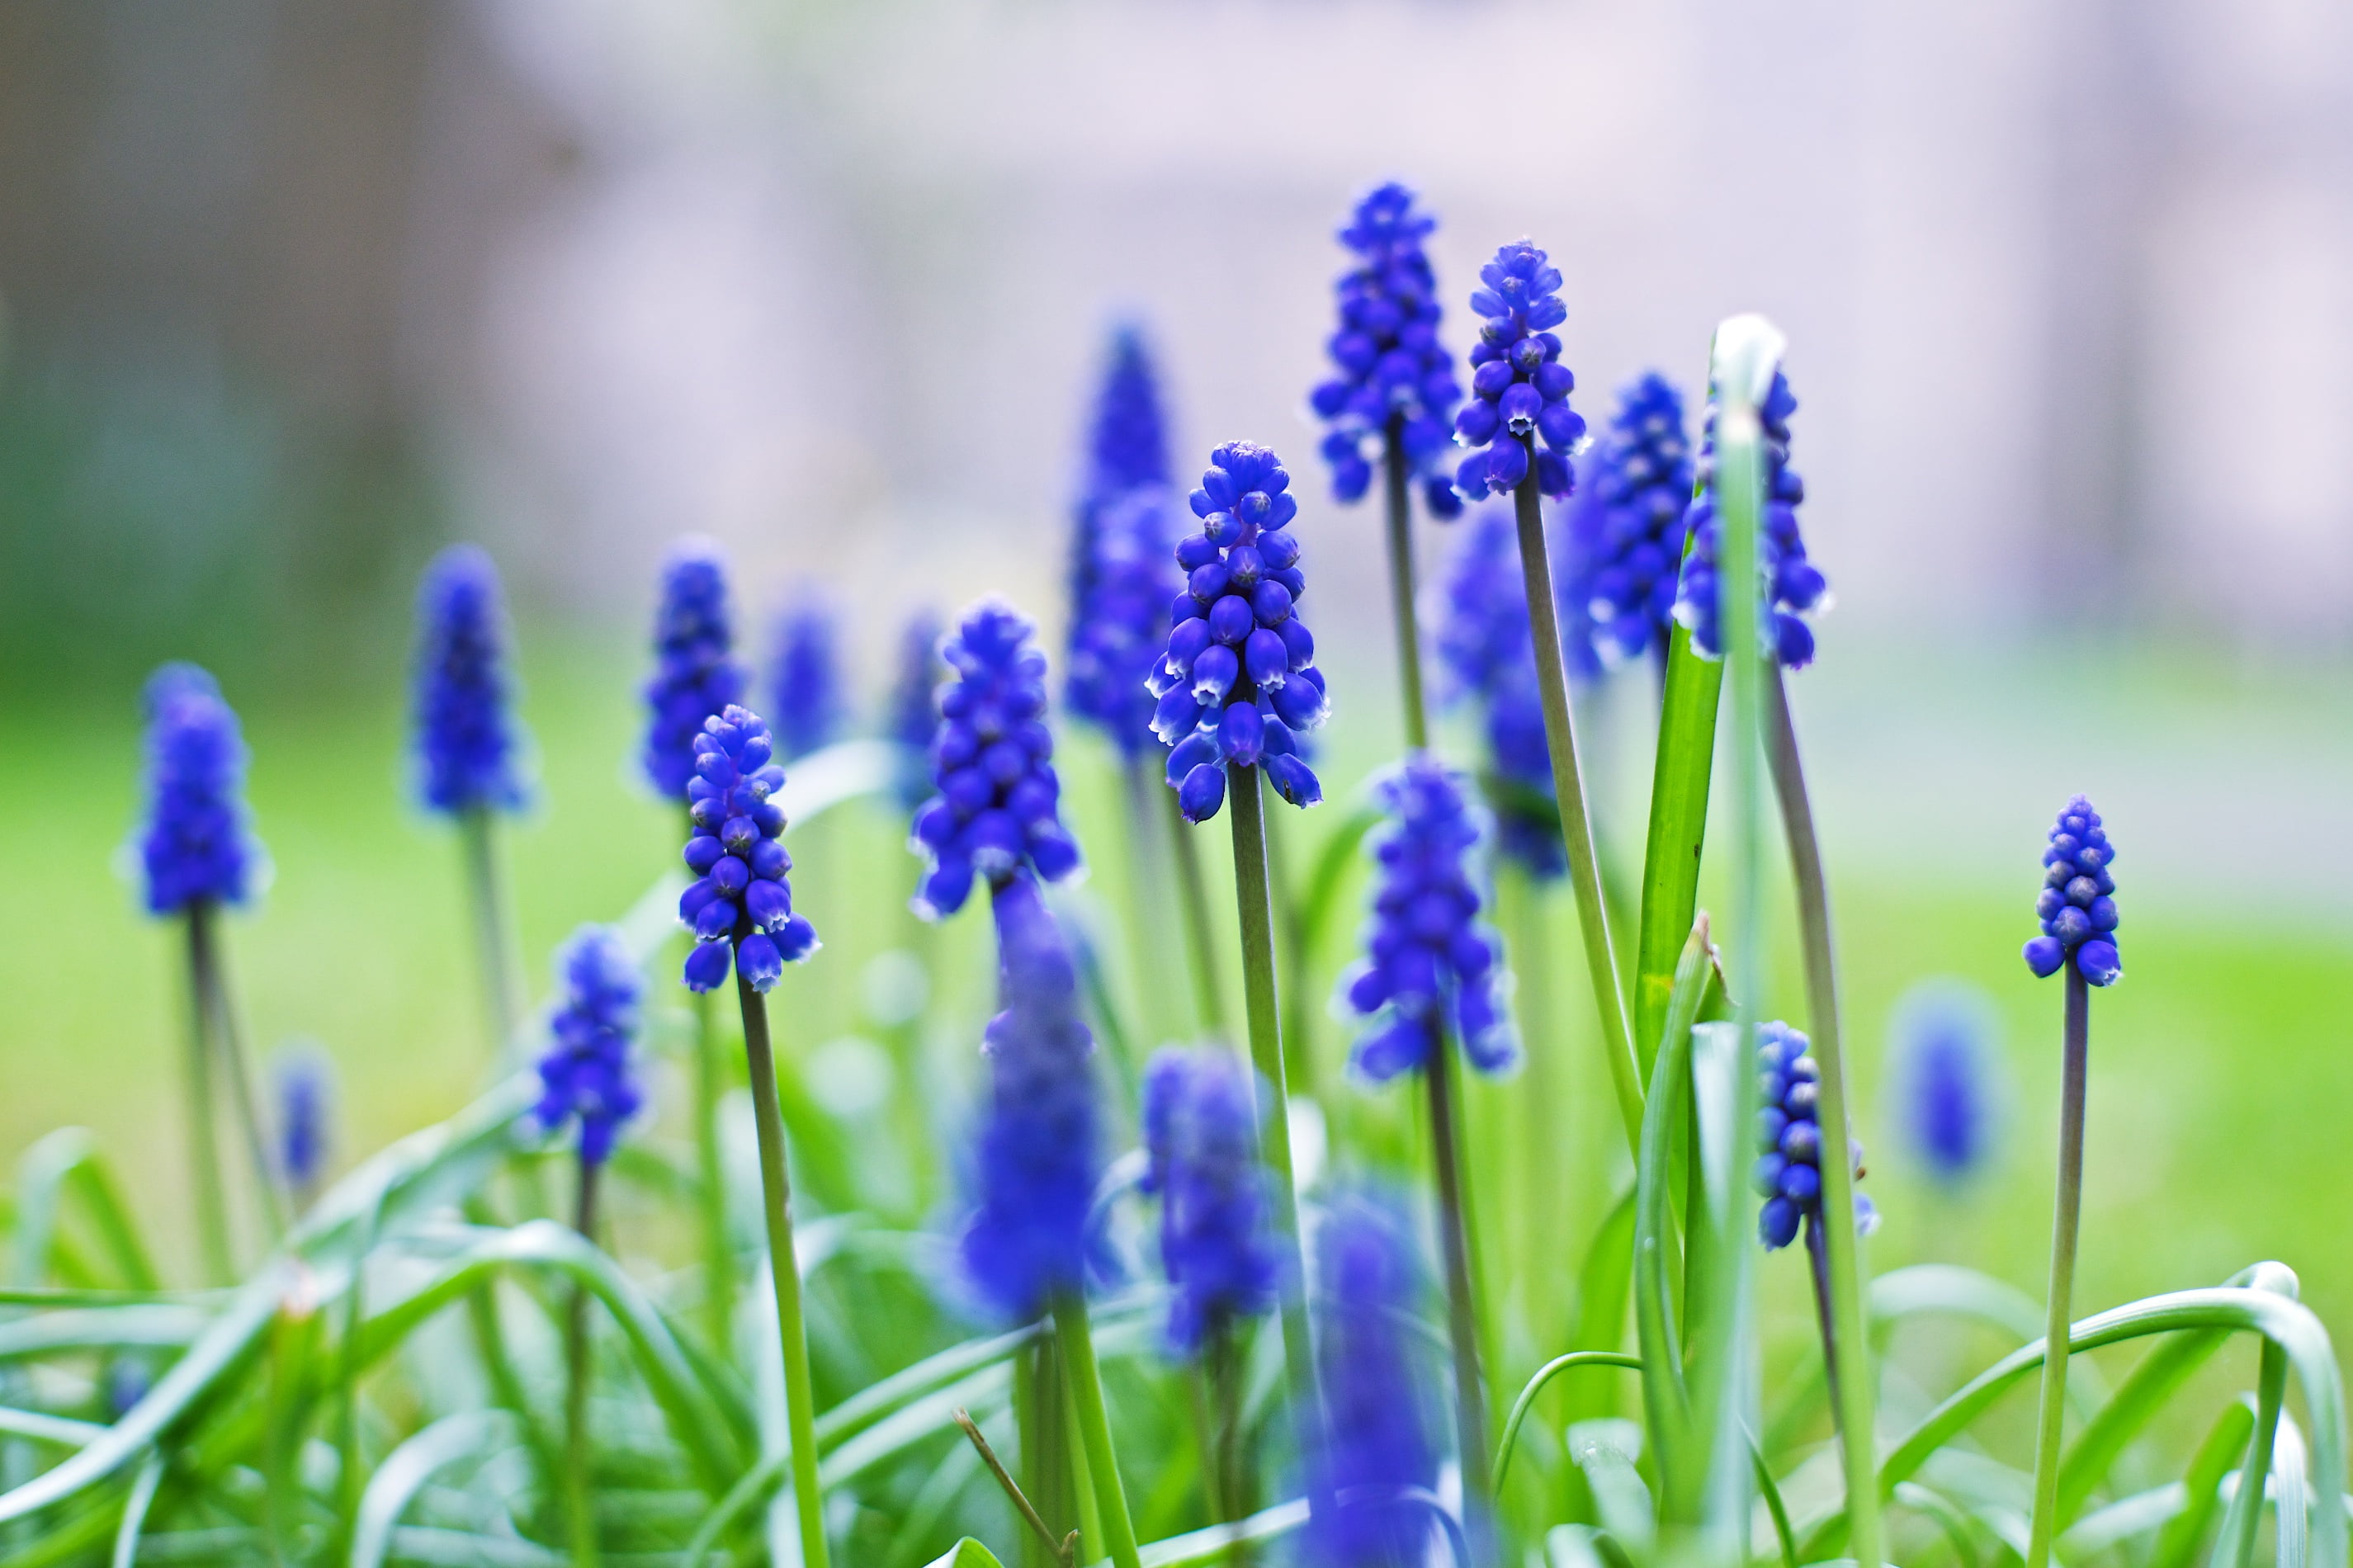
[(1124, 520), (742, 893), (804, 680), (198, 845), (1201, 1140), (1788, 583), (585, 1071), (695, 675), (2078, 908), (1518, 388), (1790, 1172), (469, 747)]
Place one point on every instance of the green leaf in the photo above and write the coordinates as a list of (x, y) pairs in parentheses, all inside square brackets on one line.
[(134, 1512), (2160, 1377), (406, 1469), (968, 1554), (1678, 833), (1536, 1384), (1665, 1401), (2203, 1485), (66, 1162)]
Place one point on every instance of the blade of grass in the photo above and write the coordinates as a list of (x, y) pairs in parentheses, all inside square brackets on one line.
[(1666, 1402), (406, 1471), (1677, 835), (134, 1512), (2203, 1485)]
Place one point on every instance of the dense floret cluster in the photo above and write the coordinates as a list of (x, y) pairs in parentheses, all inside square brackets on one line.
[(586, 1072), (1489, 651), (1519, 388), (1795, 587), (1948, 1084), (913, 711), (1642, 485), (1117, 617), (1201, 1138), (740, 906), (696, 673), (306, 1093), (2078, 906), (1788, 1173), (469, 746), (805, 683), (197, 847)]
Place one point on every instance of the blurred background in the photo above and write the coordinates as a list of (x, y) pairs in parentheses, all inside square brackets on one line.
[(291, 294)]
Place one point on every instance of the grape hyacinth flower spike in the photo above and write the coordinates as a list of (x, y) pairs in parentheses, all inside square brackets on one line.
[(805, 681), (1394, 394), (1518, 415), (2078, 912), (1238, 674), (306, 1103), (1122, 532), (585, 1074), (470, 747), (1202, 1144), (1788, 1170), (911, 713), (1948, 1085), (696, 674), (999, 806), (1793, 587), (1643, 489), (1485, 641)]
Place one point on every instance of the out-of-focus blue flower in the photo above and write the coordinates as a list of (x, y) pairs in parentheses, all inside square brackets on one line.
[(1948, 1085), (1640, 484), (914, 707), (1369, 1291), (1396, 380), (1038, 1162), (805, 683), (999, 806), (1429, 964), (1788, 1174), (306, 1098), (1118, 607), (740, 905), (1237, 678), (1519, 388), (696, 674), (587, 1071), (1201, 1137), (2078, 906), (468, 744), (1127, 444), (1796, 587), (198, 845)]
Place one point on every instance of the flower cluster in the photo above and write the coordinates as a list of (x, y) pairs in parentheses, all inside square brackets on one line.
[(2078, 906), (696, 674), (1796, 586), (587, 1073), (1116, 614), (469, 747), (1396, 381), (1239, 675), (805, 678), (1643, 485), (1948, 1084), (1788, 1173), (739, 906), (914, 715), (999, 803), (1201, 1135), (1484, 638), (306, 1090), (197, 847), (1378, 1447), (1038, 1163), (1429, 964), (1519, 388), (1127, 446)]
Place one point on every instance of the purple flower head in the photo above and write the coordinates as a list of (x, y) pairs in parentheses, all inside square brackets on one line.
[(1948, 1088), (999, 806), (1118, 608), (696, 675), (1037, 1165), (1238, 681), (1369, 1291), (914, 707), (1518, 415), (1429, 964), (2078, 905), (805, 683), (469, 745), (1395, 381), (198, 845), (306, 1101), (1642, 488), (1200, 1134), (1788, 1173), (740, 906), (1792, 586), (587, 1071), (1127, 444)]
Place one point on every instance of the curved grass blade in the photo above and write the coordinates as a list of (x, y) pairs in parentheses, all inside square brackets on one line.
[(1677, 833), (2234, 1544), (134, 1512), (2160, 1377), (406, 1471), (1778, 1510), (1666, 1402), (57, 1431), (2143, 1513), (2291, 1491), (968, 1554), (1951, 1521), (2203, 1485), (1536, 1384), (69, 1160)]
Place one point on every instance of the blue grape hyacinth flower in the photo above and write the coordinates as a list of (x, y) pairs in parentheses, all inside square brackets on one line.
[(1395, 381), (696, 674), (1429, 965), (198, 845), (740, 906), (805, 678), (1038, 1159), (911, 713), (999, 806), (1640, 487), (1201, 1138), (1127, 441), (2077, 906), (1788, 1171), (1378, 1447), (1948, 1087), (1117, 612), (1519, 388), (587, 1073), (306, 1098), (1794, 586), (469, 745), (1237, 682)]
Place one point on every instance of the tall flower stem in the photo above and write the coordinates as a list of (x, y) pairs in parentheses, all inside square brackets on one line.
[(718, 1245), (1845, 1347), (784, 1268), (1402, 586), (1094, 1429), (577, 1496), (204, 1124), (1255, 911), (1200, 943), (1472, 1438), (2076, 1059), (501, 990), (1576, 821), (211, 984)]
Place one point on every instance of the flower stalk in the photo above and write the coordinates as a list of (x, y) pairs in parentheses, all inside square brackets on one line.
[(2067, 1209), (502, 989), (1395, 466), (579, 1502), (1094, 1428), (218, 1016), (204, 1122)]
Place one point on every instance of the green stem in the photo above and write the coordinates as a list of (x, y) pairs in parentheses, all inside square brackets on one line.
[(212, 987), (1472, 1435), (784, 1270), (1200, 932), (1147, 902), (1401, 589), (1094, 1428), (501, 991), (204, 1126), (577, 1498), (1041, 1415), (1290, 965), (1575, 822), (1088, 1502), (2076, 1058), (718, 1245), (1255, 909), (1850, 1368)]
